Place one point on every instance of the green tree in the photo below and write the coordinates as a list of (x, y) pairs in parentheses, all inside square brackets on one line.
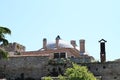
[(3, 32), (75, 73), (3, 41), (79, 73)]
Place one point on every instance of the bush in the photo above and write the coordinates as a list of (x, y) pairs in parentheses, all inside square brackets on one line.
[(79, 73), (47, 78), (60, 77)]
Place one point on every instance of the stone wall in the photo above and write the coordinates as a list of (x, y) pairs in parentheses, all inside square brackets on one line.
[(108, 70), (13, 47), (37, 67), (105, 71), (24, 67)]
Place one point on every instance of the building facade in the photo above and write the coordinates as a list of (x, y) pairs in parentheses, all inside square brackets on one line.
[(62, 49), (52, 59)]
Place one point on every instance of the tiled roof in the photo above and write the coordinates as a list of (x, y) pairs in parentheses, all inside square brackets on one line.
[(48, 52), (34, 53)]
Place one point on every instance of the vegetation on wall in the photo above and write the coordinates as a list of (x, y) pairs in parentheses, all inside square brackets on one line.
[(3, 54), (77, 72), (47, 78), (60, 61), (3, 41), (4, 31)]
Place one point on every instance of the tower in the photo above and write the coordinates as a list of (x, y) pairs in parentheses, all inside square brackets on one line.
[(102, 50)]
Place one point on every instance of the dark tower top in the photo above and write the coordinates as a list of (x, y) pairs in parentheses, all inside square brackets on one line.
[(102, 50), (58, 37), (102, 41)]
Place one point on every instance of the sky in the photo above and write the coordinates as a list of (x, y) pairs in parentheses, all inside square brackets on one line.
[(32, 20)]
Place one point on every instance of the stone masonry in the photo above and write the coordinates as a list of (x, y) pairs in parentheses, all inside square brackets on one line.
[(37, 67), (107, 70), (27, 67)]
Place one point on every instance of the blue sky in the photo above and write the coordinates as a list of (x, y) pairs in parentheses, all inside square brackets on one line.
[(32, 20)]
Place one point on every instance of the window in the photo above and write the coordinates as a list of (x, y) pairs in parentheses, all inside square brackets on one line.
[(60, 55), (56, 55), (72, 56)]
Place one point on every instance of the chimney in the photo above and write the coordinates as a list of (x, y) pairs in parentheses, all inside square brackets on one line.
[(82, 46), (102, 50), (44, 43), (57, 41), (73, 43)]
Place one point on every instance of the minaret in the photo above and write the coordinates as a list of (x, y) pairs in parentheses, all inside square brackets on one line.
[(102, 50)]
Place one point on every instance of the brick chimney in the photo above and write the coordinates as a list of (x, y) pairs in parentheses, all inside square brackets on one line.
[(82, 46), (73, 43), (44, 43)]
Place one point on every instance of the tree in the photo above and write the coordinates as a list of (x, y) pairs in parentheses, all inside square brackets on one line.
[(4, 41), (79, 73), (3, 32)]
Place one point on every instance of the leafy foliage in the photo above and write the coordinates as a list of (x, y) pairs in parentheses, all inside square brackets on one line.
[(4, 41), (79, 73), (3, 32), (3, 54), (60, 61), (60, 77), (47, 78)]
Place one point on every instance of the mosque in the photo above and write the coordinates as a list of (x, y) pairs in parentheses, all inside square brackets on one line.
[(55, 49)]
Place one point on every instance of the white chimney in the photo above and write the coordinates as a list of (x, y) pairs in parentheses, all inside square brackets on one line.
[(44, 43), (57, 41)]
